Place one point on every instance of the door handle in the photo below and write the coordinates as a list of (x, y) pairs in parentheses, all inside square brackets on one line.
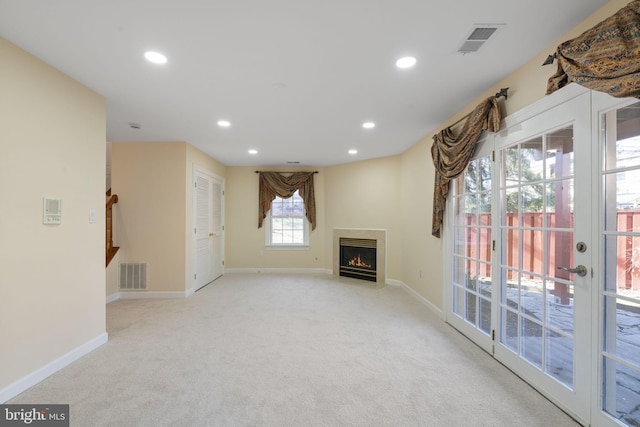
[(211, 234), (580, 270)]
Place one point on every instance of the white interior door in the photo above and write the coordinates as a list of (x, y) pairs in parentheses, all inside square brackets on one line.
[(208, 228), (217, 215)]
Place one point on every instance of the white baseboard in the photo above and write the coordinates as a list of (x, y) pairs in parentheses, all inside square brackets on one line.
[(150, 295), (417, 296), (28, 381), (113, 297), (280, 270)]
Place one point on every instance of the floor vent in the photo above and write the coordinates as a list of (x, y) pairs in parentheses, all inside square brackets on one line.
[(133, 276), (478, 36)]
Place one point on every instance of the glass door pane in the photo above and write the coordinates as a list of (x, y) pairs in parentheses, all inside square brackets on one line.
[(472, 245), (536, 230), (620, 291)]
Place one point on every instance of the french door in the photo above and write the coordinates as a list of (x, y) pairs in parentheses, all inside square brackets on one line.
[(617, 348), (539, 248), (544, 252)]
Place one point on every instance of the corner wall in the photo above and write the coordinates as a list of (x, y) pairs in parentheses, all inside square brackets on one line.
[(52, 277)]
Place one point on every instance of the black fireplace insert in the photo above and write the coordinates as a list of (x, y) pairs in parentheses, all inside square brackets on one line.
[(358, 259)]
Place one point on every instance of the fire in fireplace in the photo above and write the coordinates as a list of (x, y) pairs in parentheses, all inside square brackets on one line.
[(358, 258)]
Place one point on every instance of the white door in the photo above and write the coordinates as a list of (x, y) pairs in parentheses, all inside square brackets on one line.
[(470, 227), (518, 214), (557, 299), (544, 250), (208, 228), (616, 308), (217, 229)]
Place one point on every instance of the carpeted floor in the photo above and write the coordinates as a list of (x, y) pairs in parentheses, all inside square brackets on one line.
[(289, 350)]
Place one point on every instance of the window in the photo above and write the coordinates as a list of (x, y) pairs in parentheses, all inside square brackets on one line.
[(286, 223)]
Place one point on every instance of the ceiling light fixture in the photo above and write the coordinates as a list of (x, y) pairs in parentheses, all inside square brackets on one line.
[(155, 57), (224, 123), (406, 62), (253, 152), (352, 152), (368, 125)]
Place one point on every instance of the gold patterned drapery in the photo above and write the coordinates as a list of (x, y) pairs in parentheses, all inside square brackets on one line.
[(451, 154), (605, 58), (272, 184)]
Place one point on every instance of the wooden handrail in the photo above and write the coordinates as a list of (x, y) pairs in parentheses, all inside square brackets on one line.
[(113, 199), (111, 250)]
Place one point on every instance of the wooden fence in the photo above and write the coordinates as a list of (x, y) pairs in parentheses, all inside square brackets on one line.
[(558, 248)]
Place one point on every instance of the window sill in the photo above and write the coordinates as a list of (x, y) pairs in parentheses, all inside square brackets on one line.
[(287, 247)]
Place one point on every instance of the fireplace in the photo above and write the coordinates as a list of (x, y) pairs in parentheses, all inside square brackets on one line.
[(358, 258), (360, 253)]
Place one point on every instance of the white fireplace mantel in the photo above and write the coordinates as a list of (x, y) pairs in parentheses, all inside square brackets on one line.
[(380, 236)]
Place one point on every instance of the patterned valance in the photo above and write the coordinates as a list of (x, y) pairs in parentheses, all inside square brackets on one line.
[(451, 154), (274, 184), (605, 58)]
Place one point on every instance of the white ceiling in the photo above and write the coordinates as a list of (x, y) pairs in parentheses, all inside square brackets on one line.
[(295, 78)]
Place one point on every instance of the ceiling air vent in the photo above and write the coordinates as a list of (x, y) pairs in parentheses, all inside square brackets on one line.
[(478, 36)]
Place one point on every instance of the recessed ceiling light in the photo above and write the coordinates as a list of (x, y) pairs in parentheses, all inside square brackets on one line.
[(352, 152), (224, 123), (253, 151), (155, 57), (368, 125), (406, 62)]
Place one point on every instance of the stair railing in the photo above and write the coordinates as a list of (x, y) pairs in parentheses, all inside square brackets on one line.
[(111, 250)]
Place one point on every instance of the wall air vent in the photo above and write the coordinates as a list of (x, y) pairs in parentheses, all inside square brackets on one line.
[(478, 37), (133, 276)]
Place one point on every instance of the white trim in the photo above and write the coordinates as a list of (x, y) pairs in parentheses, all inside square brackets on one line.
[(280, 270), (28, 381), (417, 296), (113, 297), (538, 107), (152, 295)]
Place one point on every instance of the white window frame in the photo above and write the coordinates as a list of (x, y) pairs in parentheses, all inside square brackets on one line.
[(268, 230)]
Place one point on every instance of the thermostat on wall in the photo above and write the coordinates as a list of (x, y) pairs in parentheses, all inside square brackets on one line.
[(52, 211)]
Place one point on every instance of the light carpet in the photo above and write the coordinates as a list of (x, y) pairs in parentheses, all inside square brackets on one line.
[(289, 350)]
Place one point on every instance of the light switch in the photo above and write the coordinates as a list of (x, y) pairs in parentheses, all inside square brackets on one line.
[(92, 216)]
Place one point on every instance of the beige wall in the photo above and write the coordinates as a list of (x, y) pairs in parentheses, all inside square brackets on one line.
[(366, 195), (245, 242), (421, 252), (149, 179), (154, 214), (52, 278), (354, 195)]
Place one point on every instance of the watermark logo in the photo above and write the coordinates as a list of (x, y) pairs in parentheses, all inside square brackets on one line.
[(34, 415)]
